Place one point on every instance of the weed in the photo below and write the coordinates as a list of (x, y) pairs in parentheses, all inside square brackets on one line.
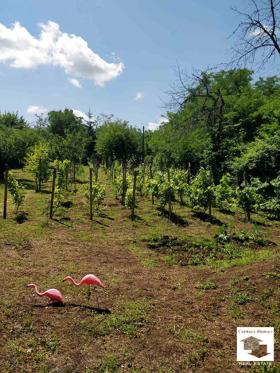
[(207, 285), (131, 318), (236, 312), (272, 275), (240, 298)]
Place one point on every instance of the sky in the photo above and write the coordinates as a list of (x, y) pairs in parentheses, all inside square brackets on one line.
[(112, 56)]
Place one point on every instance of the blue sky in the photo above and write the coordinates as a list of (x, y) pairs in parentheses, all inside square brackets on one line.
[(132, 49)]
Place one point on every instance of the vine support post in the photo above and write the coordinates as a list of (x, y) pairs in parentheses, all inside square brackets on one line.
[(189, 173), (90, 193), (40, 174), (151, 176), (66, 180), (124, 182), (169, 196), (96, 173), (245, 179), (133, 195), (53, 190), (210, 196), (5, 192)]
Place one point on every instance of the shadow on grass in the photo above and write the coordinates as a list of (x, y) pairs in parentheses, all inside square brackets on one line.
[(67, 204), (95, 309), (226, 211), (136, 218), (29, 184), (253, 221), (100, 223), (53, 304), (61, 222), (80, 181), (105, 216), (59, 305), (205, 217), (21, 218), (175, 218)]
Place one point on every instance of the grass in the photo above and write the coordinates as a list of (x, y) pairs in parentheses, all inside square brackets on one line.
[(169, 287), (207, 285)]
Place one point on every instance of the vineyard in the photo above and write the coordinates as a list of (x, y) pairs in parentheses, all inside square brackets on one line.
[(183, 261), (140, 186)]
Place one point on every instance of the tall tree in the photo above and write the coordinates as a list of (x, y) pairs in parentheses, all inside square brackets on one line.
[(257, 33)]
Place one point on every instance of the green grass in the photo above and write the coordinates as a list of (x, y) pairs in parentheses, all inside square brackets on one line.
[(125, 321), (206, 285)]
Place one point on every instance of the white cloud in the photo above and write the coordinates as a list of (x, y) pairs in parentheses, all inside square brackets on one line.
[(138, 96), (75, 83), (56, 48), (259, 31), (80, 114), (152, 126), (33, 109)]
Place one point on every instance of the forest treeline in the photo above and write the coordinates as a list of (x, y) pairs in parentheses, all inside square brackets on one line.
[(223, 121)]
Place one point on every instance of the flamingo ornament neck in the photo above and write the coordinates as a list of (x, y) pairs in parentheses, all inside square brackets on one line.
[(73, 281), (36, 289)]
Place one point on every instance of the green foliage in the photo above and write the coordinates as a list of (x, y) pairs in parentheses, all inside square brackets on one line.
[(37, 162), (129, 198), (162, 189), (17, 191), (224, 233), (224, 193), (249, 198), (207, 285), (98, 196), (272, 205), (180, 180), (12, 120), (63, 122), (62, 169), (117, 140), (199, 189)]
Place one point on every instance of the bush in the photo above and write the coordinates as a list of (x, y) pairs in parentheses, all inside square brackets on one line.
[(17, 191), (250, 197), (199, 189), (224, 193)]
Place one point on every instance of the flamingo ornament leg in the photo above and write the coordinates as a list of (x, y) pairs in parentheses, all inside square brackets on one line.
[(89, 292)]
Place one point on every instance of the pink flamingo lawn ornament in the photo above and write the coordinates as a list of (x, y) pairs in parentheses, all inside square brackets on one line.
[(53, 294), (86, 280)]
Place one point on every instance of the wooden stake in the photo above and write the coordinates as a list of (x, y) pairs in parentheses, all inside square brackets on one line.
[(53, 190), (151, 176), (189, 172), (143, 143), (40, 174), (90, 194), (210, 196), (124, 183), (169, 197), (5, 192), (245, 179), (133, 195)]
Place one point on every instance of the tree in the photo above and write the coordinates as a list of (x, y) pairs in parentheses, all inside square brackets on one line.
[(12, 120), (14, 145), (38, 164), (257, 33), (118, 141), (63, 122)]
